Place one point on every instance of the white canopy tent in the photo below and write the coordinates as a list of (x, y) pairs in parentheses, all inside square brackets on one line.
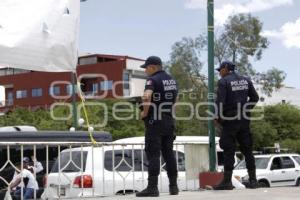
[(39, 35)]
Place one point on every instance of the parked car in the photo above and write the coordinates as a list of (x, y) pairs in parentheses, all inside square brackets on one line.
[(107, 170), (272, 170), (18, 128)]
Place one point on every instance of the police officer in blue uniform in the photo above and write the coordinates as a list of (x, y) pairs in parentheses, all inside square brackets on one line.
[(158, 102), (236, 96)]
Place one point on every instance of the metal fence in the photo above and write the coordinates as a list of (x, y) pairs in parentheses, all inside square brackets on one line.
[(78, 170)]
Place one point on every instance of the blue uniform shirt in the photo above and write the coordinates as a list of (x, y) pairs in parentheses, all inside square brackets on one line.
[(164, 95), (234, 91)]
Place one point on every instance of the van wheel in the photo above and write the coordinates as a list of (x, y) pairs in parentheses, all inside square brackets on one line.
[(298, 182), (263, 184)]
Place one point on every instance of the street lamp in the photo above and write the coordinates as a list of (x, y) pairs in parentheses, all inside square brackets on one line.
[(211, 128)]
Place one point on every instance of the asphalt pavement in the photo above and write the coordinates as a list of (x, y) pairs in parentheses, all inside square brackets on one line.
[(278, 193)]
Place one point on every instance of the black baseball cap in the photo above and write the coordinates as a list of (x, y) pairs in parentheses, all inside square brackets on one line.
[(227, 64), (152, 60)]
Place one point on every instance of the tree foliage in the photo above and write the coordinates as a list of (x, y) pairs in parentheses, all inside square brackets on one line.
[(43, 120), (185, 63), (280, 123), (272, 79), (239, 41)]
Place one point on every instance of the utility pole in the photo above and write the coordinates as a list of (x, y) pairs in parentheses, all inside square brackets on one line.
[(73, 90), (211, 127)]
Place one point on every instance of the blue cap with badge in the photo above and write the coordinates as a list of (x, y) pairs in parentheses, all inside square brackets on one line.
[(230, 66), (152, 60)]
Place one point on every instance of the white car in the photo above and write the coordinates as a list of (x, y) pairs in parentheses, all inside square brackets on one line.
[(114, 170), (117, 169), (272, 170)]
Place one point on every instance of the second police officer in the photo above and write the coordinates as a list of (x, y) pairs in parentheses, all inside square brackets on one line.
[(236, 96), (158, 101)]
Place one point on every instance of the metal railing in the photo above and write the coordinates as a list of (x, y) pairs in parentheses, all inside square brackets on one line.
[(73, 169)]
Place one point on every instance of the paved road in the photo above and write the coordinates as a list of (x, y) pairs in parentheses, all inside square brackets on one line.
[(279, 193)]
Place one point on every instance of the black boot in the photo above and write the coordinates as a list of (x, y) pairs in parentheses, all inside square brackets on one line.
[(151, 190), (173, 188), (226, 183), (252, 183)]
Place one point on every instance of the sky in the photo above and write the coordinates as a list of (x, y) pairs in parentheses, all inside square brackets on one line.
[(140, 28)]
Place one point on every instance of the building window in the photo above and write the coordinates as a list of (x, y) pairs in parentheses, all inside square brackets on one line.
[(69, 89), (126, 85), (37, 92), (95, 88), (88, 60), (10, 98), (126, 80), (54, 90), (21, 94), (106, 85)]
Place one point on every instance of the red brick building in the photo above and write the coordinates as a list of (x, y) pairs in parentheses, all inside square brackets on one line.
[(101, 76)]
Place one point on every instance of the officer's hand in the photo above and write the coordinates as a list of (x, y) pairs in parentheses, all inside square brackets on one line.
[(217, 123), (142, 115), (32, 158)]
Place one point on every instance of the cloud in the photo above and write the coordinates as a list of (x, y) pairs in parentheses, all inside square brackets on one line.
[(195, 4), (289, 33), (223, 9), (201, 4)]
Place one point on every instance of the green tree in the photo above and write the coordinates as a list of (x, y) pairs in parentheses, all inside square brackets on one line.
[(273, 78), (240, 42), (185, 63), (293, 145), (285, 119), (279, 125), (264, 134), (43, 120)]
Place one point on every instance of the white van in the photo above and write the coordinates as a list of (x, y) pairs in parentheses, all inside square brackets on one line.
[(18, 128), (113, 169)]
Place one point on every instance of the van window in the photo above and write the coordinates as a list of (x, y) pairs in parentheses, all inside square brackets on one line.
[(287, 163), (297, 158), (261, 163), (180, 161), (70, 161), (123, 160)]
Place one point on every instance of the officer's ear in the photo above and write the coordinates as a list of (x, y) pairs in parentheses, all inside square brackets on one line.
[(227, 70), (155, 68)]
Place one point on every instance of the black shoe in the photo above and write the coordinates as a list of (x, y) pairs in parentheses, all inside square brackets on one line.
[(226, 183), (148, 192), (173, 190), (224, 186), (252, 184)]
